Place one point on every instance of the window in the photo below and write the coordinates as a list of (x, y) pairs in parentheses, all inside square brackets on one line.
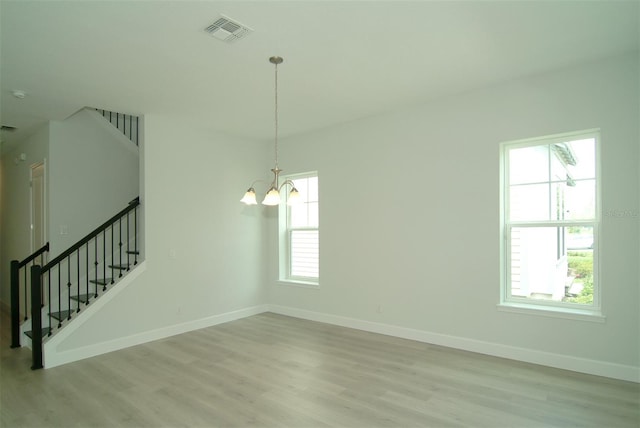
[(549, 213), (299, 233)]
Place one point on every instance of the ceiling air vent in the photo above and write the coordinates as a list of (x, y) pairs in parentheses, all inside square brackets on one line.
[(227, 30)]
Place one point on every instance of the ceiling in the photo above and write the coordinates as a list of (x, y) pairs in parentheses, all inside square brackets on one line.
[(343, 60)]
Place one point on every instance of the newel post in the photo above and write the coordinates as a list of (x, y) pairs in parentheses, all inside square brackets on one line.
[(15, 304), (36, 317)]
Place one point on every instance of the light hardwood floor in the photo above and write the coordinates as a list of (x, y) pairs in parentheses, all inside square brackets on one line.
[(274, 371)]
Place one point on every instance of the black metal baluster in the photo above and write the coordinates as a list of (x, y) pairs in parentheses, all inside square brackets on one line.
[(96, 293), (137, 136), (43, 295), (42, 292), (95, 263), (113, 262), (78, 276), (120, 244), (59, 300), (135, 236), (128, 240), (48, 298), (118, 121), (130, 125), (26, 303), (69, 286), (104, 259)]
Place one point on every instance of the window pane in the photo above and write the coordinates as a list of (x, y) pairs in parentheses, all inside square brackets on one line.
[(559, 171), (529, 202), (542, 269), (299, 215), (579, 238), (301, 186), (313, 189), (580, 263), (304, 253), (313, 214), (584, 152), (575, 201), (529, 165)]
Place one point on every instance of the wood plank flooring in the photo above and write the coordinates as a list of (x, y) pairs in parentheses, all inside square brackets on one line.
[(274, 371)]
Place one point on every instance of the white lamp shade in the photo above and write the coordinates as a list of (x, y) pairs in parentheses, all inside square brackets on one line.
[(249, 198), (294, 197), (272, 197)]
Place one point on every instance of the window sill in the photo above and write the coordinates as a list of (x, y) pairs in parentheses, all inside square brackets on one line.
[(298, 283), (554, 312)]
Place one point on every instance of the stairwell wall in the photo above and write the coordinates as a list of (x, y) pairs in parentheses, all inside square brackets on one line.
[(94, 174)]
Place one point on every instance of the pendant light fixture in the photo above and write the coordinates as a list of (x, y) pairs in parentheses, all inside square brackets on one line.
[(273, 194)]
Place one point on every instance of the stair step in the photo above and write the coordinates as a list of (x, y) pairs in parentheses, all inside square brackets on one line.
[(83, 298), (101, 281), (120, 267), (62, 315), (45, 331)]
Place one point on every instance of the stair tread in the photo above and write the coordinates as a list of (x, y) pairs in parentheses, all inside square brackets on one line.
[(45, 331), (121, 267), (62, 315), (83, 298), (101, 281)]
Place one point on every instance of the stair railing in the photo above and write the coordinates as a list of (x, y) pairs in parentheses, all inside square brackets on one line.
[(74, 264), (126, 123), (16, 267)]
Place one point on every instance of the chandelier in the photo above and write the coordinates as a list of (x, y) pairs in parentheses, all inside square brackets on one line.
[(273, 194)]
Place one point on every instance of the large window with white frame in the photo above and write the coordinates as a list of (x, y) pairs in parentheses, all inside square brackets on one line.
[(550, 223), (299, 232)]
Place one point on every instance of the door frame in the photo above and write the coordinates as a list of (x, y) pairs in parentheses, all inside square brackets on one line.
[(33, 205)]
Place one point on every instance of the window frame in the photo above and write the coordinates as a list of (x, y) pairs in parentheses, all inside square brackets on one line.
[(509, 302), (284, 237)]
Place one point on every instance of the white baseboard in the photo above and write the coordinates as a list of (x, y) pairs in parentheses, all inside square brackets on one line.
[(582, 365)]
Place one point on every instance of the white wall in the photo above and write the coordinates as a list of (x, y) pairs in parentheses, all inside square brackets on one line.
[(409, 220), (15, 203), (204, 249), (94, 174)]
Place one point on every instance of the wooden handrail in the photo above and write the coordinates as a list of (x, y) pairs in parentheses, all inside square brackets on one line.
[(34, 255)]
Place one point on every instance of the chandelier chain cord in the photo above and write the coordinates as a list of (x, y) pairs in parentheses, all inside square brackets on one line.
[(276, 115)]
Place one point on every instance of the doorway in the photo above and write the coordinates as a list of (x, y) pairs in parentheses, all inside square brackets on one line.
[(38, 206)]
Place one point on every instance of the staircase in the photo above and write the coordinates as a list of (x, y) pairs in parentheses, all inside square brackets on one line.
[(63, 287)]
